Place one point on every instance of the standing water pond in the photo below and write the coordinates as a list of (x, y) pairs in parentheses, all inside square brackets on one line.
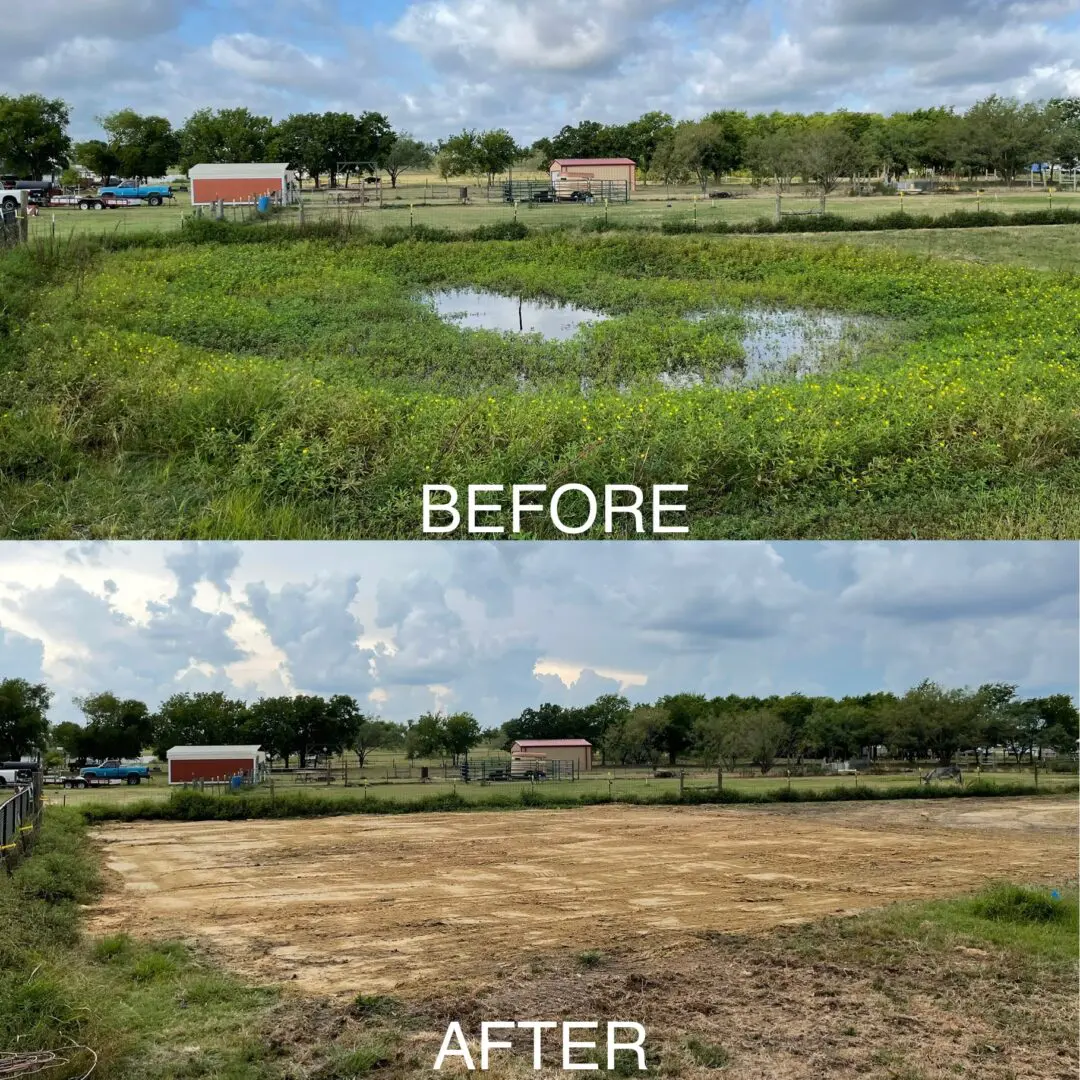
[(773, 342)]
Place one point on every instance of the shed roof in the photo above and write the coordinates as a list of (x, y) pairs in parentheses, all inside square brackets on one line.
[(247, 750), (239, 170), (552, 742), (594, 161)]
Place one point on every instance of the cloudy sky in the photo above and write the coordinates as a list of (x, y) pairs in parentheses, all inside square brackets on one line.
[(493, 628), (533, 65)]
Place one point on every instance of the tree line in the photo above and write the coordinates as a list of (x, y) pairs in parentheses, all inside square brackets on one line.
[(300, 726), (927, 722), (997, 135)]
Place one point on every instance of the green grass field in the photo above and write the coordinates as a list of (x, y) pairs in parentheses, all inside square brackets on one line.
[(303, 388)]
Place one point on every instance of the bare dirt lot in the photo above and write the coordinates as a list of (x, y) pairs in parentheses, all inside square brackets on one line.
[(344, 904)]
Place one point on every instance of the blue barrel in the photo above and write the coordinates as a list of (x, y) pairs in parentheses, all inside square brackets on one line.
[(263, 203)]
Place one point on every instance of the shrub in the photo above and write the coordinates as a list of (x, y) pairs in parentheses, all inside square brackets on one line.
[(1019, 904)]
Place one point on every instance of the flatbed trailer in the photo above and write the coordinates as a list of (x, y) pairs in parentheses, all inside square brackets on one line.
[(89, 202), (87, 781)]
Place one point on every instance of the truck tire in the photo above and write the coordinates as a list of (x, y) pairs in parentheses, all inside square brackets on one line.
[(84, 204), (131, 779), (9, 203), (97, 204), (154, 200), (3, 781)]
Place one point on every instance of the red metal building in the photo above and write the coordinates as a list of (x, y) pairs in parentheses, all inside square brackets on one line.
[(215, 763)]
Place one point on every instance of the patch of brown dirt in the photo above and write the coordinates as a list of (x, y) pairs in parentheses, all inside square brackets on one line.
[(400, 904)]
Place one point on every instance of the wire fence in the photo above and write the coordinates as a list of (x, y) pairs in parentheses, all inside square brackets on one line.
[(422, 209), (600, 783)]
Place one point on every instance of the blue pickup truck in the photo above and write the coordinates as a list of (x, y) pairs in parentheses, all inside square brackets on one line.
[(151, 194), (108, 772)]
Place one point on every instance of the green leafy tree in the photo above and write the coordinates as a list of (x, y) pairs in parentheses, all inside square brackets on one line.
[(773, 156), (23, 717), (496, 151), (343, 720), (98, 156), (764, 737), (224, 136), (931, 719), (718, 737), (405, 153), (479, 154), (340, 139), (115, 727), (461, 734), (642, 137), (33, 135), (607, 711), (1063, 132), (375, 735), (708, 148), (272, 723), (298, 140), (459, 155), (683, 712), (144, 145), (206, 718), (68, 736), (828, 152), (1003, 135), (427, 737)]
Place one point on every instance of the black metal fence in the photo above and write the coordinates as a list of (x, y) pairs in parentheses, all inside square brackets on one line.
[(19, 819)]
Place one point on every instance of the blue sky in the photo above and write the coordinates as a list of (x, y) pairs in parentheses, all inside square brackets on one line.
[(436, 65), (494, 628)]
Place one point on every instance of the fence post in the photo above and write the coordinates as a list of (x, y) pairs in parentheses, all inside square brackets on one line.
[(778, 211), (720, 779), (682, 775), (610, 784)]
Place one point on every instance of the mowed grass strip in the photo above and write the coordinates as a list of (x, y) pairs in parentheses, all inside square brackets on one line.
[(303, 388), (982, 985)]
